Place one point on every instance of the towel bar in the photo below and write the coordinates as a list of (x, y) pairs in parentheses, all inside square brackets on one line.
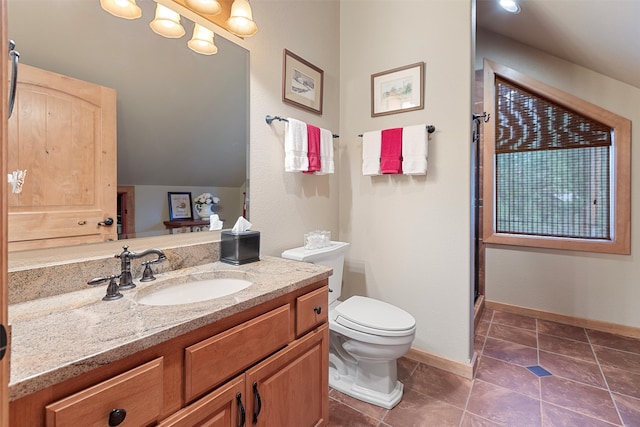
[(269, 119), (430, 129)]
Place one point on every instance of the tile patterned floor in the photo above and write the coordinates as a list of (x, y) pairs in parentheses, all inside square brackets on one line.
[(594, 381)]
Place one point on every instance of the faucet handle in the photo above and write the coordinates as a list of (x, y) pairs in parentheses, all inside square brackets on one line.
[(112, 288), (99, 280), (147, 274)]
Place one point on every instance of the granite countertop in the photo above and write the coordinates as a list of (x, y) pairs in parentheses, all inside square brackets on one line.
[(59, 337)]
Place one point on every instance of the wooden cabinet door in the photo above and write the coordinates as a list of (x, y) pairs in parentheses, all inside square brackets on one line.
[(291, 387), (223, 407), (63, 132)]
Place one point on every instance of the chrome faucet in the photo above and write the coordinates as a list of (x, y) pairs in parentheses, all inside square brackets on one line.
[(126, 279)]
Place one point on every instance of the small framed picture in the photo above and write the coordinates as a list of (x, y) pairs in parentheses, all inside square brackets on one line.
[(302, 83), (398, 90), (180, 206)]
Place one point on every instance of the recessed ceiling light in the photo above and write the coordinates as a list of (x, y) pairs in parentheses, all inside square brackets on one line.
[(510, 6)]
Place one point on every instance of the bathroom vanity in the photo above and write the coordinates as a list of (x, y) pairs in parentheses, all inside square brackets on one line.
[(260, 354)]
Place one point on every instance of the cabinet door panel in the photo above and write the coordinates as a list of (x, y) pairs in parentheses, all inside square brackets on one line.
[(219, 408), (292, 384), (212, 361)]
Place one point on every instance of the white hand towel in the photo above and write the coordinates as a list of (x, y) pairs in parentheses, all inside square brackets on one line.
[(295, 146), (371, 144), (414, 150), (326, 152)]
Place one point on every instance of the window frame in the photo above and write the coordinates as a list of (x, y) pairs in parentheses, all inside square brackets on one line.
[(620, 243)]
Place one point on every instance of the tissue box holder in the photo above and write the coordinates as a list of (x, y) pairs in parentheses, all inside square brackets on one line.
[(240, 248)]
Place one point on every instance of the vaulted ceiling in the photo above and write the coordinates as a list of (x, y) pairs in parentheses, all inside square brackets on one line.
[(602, 35)]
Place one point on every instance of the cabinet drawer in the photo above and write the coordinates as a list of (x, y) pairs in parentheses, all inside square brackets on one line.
[(212, 361), (312, 309), (138, 392)]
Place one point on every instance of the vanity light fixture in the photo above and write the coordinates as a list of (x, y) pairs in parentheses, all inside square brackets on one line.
[(127, 9), (167, 23), (202, 41), (241, 21), (510, 6), (207, 7)]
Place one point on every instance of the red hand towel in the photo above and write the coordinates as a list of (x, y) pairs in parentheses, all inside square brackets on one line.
[(313, 152), (391, 151)]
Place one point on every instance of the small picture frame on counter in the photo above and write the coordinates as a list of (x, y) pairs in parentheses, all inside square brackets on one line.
[(180, 206)]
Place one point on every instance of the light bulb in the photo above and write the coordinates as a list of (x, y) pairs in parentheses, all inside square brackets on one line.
[(127, 9), (241, 21), (208, 7), (167, 23), (202, 41)]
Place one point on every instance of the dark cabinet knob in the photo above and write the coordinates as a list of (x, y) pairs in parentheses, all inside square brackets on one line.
[(116, 417), (318, 309)]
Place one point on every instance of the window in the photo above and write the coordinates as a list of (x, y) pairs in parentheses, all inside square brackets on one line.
[(557, 169)]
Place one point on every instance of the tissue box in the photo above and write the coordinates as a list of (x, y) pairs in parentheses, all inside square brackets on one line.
[(240, 248)]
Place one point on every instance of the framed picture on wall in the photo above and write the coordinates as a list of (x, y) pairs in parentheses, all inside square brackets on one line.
[(398, 90), (302, 83), (180, 206)]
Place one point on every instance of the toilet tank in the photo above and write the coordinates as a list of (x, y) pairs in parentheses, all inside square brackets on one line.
[(331, 256)]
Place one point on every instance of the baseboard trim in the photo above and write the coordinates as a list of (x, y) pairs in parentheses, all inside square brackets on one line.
[(466, 370), (612, 328)]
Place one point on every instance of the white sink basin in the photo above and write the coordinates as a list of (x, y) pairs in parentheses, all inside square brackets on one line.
[(197, 291)]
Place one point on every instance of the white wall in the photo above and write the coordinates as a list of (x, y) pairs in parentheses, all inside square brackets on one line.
[(410, 236), (284, 206), (152, 205), (586, 285)]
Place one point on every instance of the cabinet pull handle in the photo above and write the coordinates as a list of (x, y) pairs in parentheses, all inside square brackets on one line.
[(116, 417), (241, 409), (258, 403), (318, 309), (15, 56)]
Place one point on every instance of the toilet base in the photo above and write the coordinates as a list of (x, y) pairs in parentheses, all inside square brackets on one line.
[(346, 384)]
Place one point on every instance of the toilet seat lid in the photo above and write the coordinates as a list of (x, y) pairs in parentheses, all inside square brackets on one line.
[(374, 317)]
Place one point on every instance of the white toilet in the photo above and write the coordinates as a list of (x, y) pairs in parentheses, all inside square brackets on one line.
[(367, 336)]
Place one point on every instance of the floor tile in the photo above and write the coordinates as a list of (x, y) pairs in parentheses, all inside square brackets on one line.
[(629, 409), (572, 369), (509, 376), (505, 393), (439, 384), (584, 399), (483, 328), (566, 347), (563, 331), (405, 368), (618, 358), (343, 416), (515, 320), (555, 416), (418, 410), (487, 315), (617, 342), (510, 352), (623, 382), (471, 420), (512, 334), (478, 343), (503, 406), (373, 411)]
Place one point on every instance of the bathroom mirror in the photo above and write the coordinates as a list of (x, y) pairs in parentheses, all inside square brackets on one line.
[(182, 117)]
